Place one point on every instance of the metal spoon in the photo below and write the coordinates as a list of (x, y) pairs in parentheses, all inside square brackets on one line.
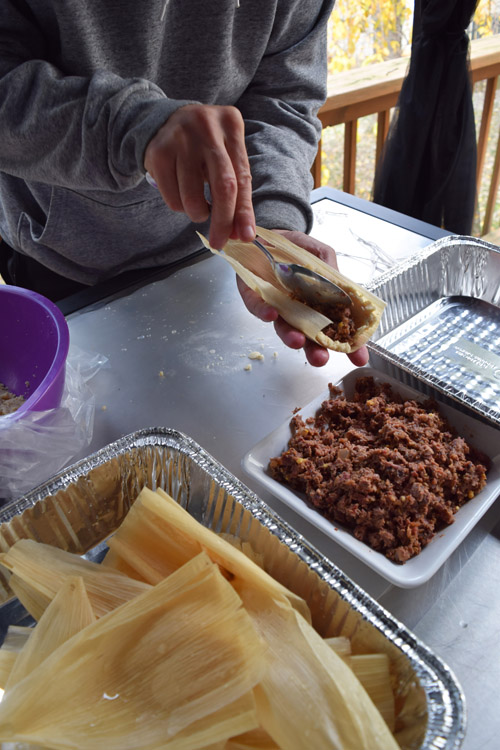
[(305, 285)]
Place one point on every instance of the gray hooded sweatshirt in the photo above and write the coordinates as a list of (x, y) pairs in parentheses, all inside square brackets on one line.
[(84, 86)]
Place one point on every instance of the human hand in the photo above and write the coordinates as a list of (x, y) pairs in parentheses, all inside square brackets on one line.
[(200, 144), (316, 355)]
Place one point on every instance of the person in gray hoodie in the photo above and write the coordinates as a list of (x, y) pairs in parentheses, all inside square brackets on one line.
[(216, 99)]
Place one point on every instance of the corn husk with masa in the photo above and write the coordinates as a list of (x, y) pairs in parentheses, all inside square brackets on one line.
[(255, 270)]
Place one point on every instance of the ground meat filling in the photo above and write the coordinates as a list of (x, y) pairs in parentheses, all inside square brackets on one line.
[(392, 471), (342, 328)]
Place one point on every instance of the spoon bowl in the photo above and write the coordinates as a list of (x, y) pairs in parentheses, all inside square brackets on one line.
[(305, 285), (302, 283)]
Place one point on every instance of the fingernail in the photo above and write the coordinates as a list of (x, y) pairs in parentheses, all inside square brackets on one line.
[(248, 233)]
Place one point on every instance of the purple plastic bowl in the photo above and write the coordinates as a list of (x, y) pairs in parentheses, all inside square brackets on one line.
[(34, 343)]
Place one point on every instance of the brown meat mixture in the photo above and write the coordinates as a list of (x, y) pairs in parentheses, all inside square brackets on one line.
[(342, 328), (393, 471)]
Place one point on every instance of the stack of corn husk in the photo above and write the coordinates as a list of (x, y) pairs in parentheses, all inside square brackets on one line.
[(178, 640)]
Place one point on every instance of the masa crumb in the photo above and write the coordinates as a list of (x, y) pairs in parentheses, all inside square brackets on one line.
[(248, 368), (9, 402), (255, 355)]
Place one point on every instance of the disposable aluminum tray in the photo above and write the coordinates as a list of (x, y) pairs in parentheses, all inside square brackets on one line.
[(83, 505), (441, 326)]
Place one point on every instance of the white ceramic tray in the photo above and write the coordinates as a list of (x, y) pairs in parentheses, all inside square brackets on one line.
[(421, 568)]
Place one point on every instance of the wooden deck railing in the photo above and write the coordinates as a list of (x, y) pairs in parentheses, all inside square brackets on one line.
[(374, 90)]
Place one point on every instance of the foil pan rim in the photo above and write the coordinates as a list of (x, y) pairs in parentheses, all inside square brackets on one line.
[(434, 247), (446, 700), (463, 400), (417, 263)]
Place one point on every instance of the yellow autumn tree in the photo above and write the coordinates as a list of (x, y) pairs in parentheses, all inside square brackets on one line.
[(372, 31), (486, 21), (368, 31)]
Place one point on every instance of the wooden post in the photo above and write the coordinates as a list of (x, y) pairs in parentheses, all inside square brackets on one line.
[(350, 135), (488, 105), (383, 120), (492, 195)]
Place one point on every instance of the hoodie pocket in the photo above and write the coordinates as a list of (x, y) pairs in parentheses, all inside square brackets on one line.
[(101, 236)]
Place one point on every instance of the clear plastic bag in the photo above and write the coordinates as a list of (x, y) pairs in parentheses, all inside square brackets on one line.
[(39, 444)]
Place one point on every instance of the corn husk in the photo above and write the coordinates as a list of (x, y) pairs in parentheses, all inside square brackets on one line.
[(16, 637), (147, 675), (32, 600), (373, 671), (340, 644), (215, 655), (255, 270), (244, 547), (68, 613), (308, 696), (256, 739), (44, 569), (158, 535), (117, 562), (7, 661)]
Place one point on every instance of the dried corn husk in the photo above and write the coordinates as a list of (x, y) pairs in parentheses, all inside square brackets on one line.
[(68, 613), (43, 570), (16, 637), (14, 641), (147, 675), (7, 661), (245, 547), (254, 269), (158, 535), (372, 670), (333, 712), (32, 600), (257, 739), (340, 644), (164, 669)]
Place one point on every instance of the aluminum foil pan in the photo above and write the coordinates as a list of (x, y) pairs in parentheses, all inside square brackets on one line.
[(441, 326), (83, 505)]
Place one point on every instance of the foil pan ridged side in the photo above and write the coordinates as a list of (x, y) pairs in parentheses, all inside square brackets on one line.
[(452, 271), (78, 509)]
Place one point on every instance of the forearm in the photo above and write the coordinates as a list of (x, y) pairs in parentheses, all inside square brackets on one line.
[(76, 132)]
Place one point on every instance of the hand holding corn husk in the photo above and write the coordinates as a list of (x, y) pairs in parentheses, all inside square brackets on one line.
[(342, 330), (189, 644)]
